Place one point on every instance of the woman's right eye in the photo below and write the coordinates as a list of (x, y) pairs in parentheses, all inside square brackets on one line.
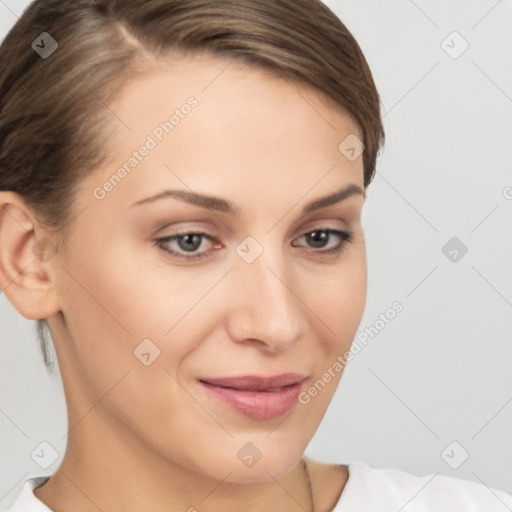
[(187, 242)]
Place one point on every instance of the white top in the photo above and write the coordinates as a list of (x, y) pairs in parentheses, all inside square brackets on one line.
[(369, 489)]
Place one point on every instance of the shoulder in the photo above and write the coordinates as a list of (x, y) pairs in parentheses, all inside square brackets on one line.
[(27, 501), (386, 489)]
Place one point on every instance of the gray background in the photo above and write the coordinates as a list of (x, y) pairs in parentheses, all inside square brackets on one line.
[(439, 372)]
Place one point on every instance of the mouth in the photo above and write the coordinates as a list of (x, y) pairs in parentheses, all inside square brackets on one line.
[(256, 396)]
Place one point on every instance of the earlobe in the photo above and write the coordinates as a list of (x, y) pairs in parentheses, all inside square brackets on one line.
[(26, 257)]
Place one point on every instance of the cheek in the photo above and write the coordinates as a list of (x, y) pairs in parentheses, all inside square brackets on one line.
[(113, 302), (339, 297), (106, 308)]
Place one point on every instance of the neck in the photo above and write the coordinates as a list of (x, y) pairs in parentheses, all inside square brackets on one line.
[(106, 467)]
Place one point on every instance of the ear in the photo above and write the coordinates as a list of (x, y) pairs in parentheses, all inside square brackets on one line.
[(27, 256)]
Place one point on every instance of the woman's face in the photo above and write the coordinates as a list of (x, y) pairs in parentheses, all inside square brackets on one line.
[(260, 295)]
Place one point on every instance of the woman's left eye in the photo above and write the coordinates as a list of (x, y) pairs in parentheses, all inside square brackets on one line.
[(190, 242), (322, 236)]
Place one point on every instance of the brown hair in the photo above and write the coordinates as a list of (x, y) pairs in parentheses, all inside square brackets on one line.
[(53, 110)]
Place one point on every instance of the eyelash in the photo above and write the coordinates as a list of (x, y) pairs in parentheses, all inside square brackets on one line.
[(345, 236)]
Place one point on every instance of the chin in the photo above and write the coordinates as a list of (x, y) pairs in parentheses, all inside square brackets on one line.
[(261, 472), (274, 463), (241, 462)]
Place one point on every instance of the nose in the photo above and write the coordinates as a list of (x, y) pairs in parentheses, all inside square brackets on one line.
[(266, 309)]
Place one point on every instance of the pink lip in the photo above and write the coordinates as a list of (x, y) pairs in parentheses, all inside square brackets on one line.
[(253, 396)]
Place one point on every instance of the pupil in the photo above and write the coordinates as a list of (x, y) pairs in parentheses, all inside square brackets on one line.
[(192, 241), (318, 238)]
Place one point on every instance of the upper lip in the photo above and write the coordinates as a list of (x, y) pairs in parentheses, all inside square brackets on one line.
[(257, 382)]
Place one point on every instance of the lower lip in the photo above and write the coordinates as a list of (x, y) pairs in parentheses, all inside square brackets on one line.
[(260, 405)]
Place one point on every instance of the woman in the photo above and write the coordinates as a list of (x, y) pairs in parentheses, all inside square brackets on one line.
[(182, 187)]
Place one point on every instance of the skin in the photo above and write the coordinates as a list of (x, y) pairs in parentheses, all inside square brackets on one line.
[(270, 147)]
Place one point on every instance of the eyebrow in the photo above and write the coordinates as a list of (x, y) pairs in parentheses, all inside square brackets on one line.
[(224, 206)]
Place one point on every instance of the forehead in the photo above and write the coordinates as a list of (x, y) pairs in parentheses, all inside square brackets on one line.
[(216, 125), (222, 82)]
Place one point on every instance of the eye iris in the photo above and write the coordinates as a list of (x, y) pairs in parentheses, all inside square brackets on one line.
[(192, 242), (318, 238)]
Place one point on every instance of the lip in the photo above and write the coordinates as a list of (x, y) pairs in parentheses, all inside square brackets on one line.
[(257, 396)]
